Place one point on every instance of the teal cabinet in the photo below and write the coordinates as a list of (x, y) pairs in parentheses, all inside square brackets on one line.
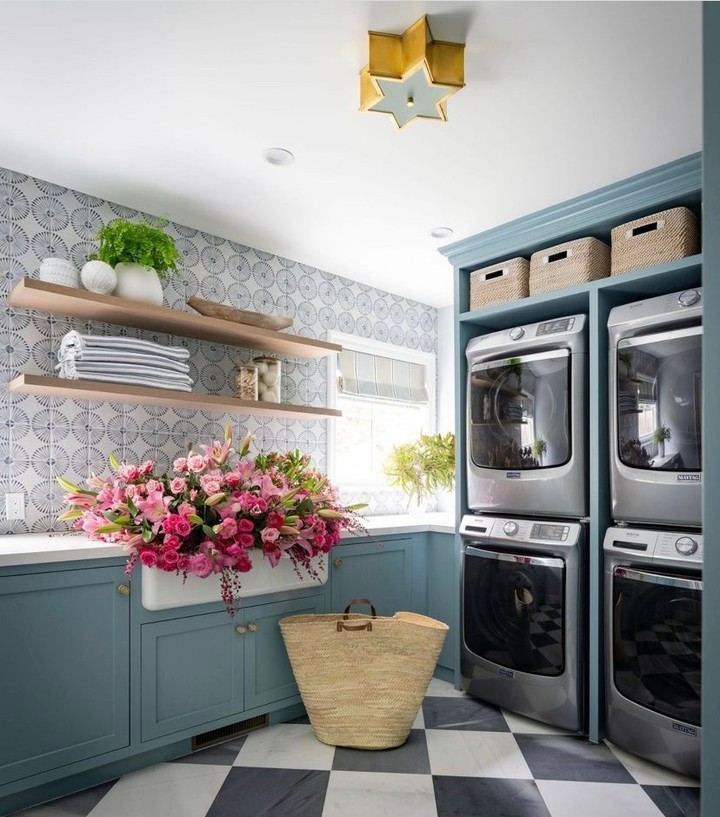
[(203, 668), (389, 572), (64, 682), (443, 567)]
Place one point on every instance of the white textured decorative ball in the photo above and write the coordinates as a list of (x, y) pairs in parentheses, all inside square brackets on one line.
[(270, 378), (97, 276), (59, 271), (262, 368), (270, 396)]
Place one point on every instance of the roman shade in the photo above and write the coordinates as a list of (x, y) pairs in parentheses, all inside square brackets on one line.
[(365, 375)]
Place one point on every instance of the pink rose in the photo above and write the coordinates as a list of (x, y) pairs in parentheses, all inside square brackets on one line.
[(128, 472), (246, 540), (180, 465), (169, 557), (200, 565), (148, 558), (186, 508), (183, 526), (210, 484), (153, 485), (172, 542), (178, 485), (275, 519), (227, 528), (147, 467), (182, 562), (196, 463), (269, 535), (245, 525)]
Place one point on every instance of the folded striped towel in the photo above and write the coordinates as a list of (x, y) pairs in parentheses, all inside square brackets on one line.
[(132, 380), (78, 369), (75, 345), (114, 357)]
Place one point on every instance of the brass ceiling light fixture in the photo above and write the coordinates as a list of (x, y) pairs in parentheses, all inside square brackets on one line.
[(411, 75)]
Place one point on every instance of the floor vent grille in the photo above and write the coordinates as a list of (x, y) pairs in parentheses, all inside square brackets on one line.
[(228, 732)]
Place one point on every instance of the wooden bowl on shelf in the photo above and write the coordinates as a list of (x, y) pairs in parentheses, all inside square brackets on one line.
[(211, 309)]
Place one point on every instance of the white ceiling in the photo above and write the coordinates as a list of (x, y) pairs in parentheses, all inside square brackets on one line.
[(168, 106)]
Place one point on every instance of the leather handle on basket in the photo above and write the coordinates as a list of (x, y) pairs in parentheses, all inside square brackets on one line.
[(373, 611), (342, 625)]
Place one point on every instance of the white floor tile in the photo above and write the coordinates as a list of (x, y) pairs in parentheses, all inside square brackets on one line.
[(650, 774), (475, 754), (366, 794), (285, 746), (165, 790), (442, 689), (528, 726), (419, 722), (568, 799)]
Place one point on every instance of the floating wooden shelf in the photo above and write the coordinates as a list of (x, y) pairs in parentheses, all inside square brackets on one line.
[(79, 303), (121, 393)]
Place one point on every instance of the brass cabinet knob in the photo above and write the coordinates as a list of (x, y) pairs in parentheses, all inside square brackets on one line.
[(124, 589), (338, 562), (252, 627), (240, 630)]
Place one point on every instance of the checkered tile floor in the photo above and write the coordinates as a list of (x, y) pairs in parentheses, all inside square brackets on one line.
[(463, 758)]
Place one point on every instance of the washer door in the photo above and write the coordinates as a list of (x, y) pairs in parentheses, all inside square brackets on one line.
[(514, 610), (656, 638)]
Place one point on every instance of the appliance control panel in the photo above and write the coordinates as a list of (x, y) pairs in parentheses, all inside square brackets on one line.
[(656, 546), (551, 327), (520, 530)]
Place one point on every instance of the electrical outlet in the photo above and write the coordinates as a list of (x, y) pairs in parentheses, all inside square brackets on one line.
[(15, 506)]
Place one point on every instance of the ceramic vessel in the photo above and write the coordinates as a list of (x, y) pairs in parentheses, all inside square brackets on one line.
[(97, 276), (138, 283), (59, 271)]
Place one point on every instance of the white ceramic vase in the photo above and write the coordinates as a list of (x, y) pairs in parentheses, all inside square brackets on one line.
[(59, 271), (138, 283)]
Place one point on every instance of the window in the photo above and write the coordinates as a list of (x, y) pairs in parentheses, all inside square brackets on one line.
[(387, 396)]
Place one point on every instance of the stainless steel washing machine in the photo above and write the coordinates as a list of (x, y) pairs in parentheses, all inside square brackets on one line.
[(653, 600), (655, 367), (524, 616), (526, 411)]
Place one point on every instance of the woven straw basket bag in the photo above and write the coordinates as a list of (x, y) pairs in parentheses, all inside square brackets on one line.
[(502, 282), (654, 239), (362, 678), (569, 264)]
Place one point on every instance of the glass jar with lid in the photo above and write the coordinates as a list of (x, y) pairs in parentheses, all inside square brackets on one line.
[(246, 381)]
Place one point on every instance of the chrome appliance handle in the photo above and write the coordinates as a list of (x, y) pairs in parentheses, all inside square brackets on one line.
[(553, 354), (659, 337), (657, 578), (517, 558)]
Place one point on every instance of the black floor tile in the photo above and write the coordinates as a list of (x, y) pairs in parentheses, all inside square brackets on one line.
[(410, 758), (74, 805), (675, 801), (223, 754), (251, 792), (465, 714), (487, 797), (561, 757)]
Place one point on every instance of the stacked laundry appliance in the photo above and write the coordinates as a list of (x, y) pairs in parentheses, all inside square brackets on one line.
[(653, 555), (524, 577)]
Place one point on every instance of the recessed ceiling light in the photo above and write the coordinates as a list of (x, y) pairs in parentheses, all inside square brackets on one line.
[(278, 156), (441, 232)]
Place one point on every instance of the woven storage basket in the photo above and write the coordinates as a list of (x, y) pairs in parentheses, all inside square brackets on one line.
[(362, 678), (569, 264), (654, 239), (502, 282)]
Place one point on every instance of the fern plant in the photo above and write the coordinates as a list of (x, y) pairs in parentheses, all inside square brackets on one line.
[(422, 467), (130, 242)]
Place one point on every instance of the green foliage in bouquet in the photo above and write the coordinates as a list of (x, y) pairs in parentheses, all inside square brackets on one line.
[(130, 242)]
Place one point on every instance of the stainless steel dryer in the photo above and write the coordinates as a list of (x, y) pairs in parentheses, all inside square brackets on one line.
[(526, 419), (655, 410), (653, 600), (524, 616)]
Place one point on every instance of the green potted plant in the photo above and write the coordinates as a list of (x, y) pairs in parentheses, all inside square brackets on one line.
[(659, 436), (141, 255), (422, 467), (538, 448)]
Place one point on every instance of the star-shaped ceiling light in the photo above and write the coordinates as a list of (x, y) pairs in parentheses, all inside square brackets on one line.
[(410, 75)]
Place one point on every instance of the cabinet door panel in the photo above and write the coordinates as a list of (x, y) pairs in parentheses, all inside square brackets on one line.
[(268, 675), (64, 682), (191, 671), (444, 592), (381, 573)]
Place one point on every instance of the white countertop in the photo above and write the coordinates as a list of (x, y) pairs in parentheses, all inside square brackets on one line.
[(68, 546)]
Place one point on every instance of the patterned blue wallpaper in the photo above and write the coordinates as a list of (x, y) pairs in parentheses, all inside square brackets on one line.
[(45, 437)]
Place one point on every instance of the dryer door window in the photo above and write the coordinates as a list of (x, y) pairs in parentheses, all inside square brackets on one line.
[(656, 635), (520, 411), (514, 610), (659, 389)]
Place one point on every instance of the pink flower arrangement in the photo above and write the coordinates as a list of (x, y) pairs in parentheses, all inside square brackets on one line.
[(215, 507)]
